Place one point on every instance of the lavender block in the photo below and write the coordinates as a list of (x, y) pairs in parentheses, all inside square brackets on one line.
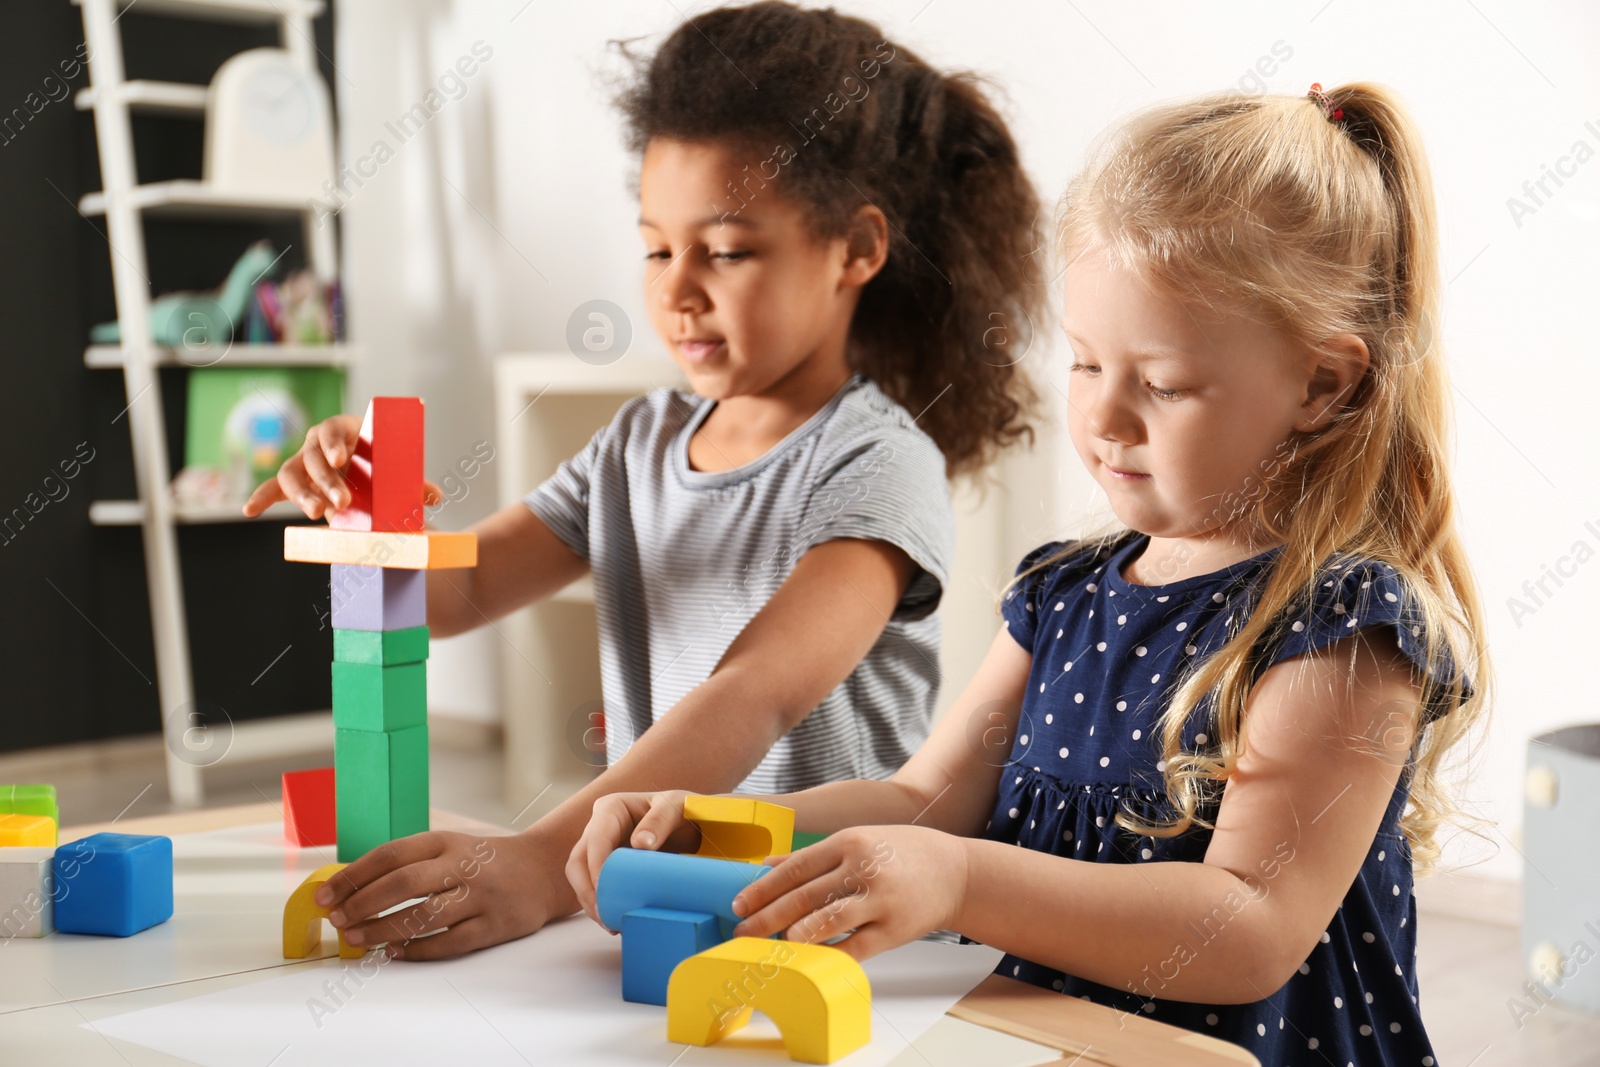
[(378, 598)]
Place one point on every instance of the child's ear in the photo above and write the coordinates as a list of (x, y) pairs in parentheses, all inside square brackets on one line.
[(866, 246), (1338, 366)]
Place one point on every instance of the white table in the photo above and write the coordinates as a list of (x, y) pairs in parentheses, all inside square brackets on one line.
[(234, 871)]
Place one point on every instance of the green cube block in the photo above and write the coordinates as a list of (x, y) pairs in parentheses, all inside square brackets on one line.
[(367, 696), (385, 648), (380, 787), (29, 800)]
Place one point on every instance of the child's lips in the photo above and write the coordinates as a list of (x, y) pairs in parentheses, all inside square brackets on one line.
[(699, 350), (1125, 475)]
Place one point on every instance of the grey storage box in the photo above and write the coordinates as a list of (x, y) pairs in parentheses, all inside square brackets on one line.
[(1561, 868)]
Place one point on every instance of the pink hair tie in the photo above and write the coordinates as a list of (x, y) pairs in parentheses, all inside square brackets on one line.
[(1334, 114)]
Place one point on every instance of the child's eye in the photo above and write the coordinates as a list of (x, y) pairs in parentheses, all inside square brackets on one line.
[(731, 257), (1087, 368), (658, 255), (1167, 394)]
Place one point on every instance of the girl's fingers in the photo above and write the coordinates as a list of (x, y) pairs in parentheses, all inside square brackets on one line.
[(869, 939), (664, 816), (583, 862), (336, 438), (266, 494), (463, 936), (791, 871), (834, 915), (346, 888), (324, 475), (434, 913), (432, 495), (296, 486), (827, 890), (609, 828), (577, 871)]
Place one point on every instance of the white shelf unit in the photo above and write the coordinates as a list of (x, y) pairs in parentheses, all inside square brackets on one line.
[(124, 202), (111, 357), (547, 406), (132, 513), (190, 199), (151, 98)]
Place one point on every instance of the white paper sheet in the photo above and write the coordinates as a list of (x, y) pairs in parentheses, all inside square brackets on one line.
[(553, 998)]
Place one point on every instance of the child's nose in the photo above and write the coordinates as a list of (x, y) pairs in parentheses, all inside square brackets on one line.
[(677, 287), (1113, 419)]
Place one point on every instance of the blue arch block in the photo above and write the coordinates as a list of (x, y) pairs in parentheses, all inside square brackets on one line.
[(633, 878)]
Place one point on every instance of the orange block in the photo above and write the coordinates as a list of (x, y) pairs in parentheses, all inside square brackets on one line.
[(402, 551)]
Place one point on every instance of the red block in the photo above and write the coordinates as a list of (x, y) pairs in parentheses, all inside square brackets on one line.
[(308, 808), (385, 475)]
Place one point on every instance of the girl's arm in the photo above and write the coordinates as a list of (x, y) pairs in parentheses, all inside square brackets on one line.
[(1328, 735), (949, 783), (806, 640), (520, 561)]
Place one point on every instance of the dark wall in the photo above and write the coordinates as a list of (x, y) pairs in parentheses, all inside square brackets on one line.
[(75, 635)]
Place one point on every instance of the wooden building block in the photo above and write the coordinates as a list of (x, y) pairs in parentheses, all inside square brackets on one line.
[(385, 474), (27, 880), (113, 884), (380, 786), (386, 648), (302, 919), (370, 697), (433, 550), (739, 828), (37, 799), (27, 831), (633, 878), (376, 599), (308, 808), (654, 941), (818, 996)]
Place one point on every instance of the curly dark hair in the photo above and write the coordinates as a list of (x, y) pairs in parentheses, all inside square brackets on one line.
[(842, 118)]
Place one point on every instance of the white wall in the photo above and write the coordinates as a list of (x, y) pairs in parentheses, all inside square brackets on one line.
[(536, 218)]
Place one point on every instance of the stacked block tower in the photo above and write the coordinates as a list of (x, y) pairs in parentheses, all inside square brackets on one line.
[(378, 551)]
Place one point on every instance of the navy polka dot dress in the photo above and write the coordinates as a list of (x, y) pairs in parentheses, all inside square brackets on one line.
[(1106, 655)]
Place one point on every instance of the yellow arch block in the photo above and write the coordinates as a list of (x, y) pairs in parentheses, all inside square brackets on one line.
[(738, 828), (302, 919), (818, 996)]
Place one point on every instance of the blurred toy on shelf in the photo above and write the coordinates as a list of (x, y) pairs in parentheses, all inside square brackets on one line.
[(249, 308), (243, 422)]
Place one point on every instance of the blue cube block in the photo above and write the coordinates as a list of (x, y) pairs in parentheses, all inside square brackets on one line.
[(113, 884), (654, 941)]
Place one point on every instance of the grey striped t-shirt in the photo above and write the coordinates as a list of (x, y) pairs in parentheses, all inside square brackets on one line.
[(683, 559)]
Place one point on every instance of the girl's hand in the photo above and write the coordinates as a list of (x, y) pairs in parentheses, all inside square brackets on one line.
[(638, 820), (475, 892), (890, 884), (314, 476)]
